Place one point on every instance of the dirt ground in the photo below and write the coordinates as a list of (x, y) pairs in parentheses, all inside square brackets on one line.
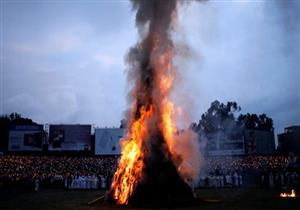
[(213, 199)]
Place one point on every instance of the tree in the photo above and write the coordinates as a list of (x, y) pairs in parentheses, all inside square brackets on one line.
[(218, 117), (252, 121)]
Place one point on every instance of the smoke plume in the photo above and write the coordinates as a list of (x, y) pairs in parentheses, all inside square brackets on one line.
[(153, 142), (155, 20)]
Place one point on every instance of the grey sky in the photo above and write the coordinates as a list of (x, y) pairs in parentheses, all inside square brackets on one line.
[(62, 61)]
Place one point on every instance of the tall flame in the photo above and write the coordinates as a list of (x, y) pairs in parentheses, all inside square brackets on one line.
[(131, 162), (161, 111), (151, 121)]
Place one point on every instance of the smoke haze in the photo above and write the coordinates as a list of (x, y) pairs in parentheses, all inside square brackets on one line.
[(63, 62)]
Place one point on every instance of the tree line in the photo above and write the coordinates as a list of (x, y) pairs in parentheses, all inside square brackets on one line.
[(220, 116)]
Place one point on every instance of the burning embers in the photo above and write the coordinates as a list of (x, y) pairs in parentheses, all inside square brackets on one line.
[(288, 195), (152, 168)]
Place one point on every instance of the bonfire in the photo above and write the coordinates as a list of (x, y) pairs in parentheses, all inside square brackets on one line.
[(153, 167)]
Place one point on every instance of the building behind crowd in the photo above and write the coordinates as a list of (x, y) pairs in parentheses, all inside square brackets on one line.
[(26, 138), (289, 140), (69, 137), (260, 142), (220, 143), (242, 142), (107, 141)]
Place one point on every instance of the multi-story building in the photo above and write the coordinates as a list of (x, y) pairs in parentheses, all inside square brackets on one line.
[(289, 140), (260, 142)]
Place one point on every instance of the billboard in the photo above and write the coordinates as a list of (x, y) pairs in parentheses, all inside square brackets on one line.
[(69, 138), (221, 144), (26, 138), (107, 141), (259, 141)]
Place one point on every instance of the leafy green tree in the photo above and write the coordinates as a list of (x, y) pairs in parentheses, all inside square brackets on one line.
[(252, 121), (218, 117)]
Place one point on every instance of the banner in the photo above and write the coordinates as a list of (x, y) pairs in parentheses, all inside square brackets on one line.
[(69, 137), (26, 138), (220, 143)]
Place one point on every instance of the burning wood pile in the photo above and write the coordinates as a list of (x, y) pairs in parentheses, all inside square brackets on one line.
[(288, 195), (158, 163)]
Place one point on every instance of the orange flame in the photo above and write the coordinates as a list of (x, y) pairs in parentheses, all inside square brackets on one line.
[(161, 113), (289, 195), (153, 114), (131, 165), (165, 80), (130, 168)]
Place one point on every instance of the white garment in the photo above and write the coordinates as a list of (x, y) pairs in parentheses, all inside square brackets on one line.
[(228, 179), (241, 180), (94, 183), (271, 181), (103, 182), (66, 182), (236, 181), (36, 185), (221, 181)]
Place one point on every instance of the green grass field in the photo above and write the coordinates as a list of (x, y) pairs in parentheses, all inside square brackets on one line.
[(215, 199)]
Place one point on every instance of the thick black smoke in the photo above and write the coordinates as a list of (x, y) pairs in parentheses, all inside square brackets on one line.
[(149, 63), (153, 20)]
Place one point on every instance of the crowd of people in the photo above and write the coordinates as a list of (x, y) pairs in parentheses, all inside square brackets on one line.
[(228, 164), (72, 172), (96, 172), (262, 171)]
